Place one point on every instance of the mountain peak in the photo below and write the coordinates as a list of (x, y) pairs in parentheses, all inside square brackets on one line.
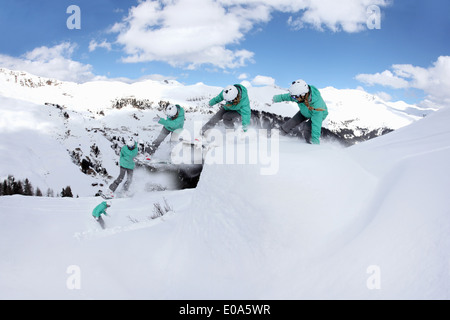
[(26, 79)]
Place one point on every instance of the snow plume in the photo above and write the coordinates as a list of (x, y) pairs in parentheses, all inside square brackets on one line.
[(434, 81), (254, 149), (178, 33), (55, 62)]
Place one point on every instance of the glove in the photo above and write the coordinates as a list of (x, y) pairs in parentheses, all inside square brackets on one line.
[(156, 119)]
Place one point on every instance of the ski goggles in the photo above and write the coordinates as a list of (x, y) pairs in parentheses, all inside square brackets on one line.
[(299, 97)]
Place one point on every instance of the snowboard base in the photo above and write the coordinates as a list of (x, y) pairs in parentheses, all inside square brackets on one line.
[(101, 222)]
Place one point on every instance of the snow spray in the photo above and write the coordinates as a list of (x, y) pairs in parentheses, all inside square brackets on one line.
[(254, 147)]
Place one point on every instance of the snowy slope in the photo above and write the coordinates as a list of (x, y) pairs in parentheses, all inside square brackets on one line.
[(314, 230), (96, 95), (315, 227), (365, 110), (52, 123), (31, 146)]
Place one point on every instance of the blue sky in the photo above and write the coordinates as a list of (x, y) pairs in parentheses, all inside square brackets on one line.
[(219, 42)]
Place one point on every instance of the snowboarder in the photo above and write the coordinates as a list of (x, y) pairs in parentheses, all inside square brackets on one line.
[(173, 123), (237, 108), (312, 109), (99, 210), (127, 165)]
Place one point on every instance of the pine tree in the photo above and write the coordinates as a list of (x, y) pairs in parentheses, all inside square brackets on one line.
[(27, 188), (38, 192), (10, 186), (67, 192), (5, 188), (18, 187)]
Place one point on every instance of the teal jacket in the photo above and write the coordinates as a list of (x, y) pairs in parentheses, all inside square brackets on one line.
[(316, 116), (127, 157), (99, 210), (243, 107), (174, 124)]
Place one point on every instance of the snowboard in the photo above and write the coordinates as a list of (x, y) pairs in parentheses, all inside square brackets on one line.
[(105, 197), (101, 222), (144, 161), (199, 144)]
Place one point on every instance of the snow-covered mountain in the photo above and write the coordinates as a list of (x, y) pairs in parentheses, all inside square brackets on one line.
[(371, 223), (52, 124), (368, 221)]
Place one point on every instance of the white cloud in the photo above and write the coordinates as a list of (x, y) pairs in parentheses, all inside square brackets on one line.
[(434, 81), (190, 33), (93, 45), (54, 62), (243, 76), (263, 81), (246, 83), (343, 15), (386, 78), (184, 32)]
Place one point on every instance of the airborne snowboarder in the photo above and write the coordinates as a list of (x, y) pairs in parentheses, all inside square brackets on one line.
[(172, 124), (127, 165)]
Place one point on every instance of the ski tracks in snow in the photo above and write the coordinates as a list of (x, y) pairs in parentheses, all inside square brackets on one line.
[(102, 233)]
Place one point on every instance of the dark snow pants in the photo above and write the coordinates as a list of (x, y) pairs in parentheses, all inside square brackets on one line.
[(229, 119), (295, 121), (119, 180), (155, 145)]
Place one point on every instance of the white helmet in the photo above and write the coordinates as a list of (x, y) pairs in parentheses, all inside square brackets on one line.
[(299, 88), (130, 142), (171, 110), (230, 93)]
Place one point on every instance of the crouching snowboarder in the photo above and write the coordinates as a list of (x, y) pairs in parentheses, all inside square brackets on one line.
[(312, 108), (236, 108), (127, 165), (173, 123), (99, 210)]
